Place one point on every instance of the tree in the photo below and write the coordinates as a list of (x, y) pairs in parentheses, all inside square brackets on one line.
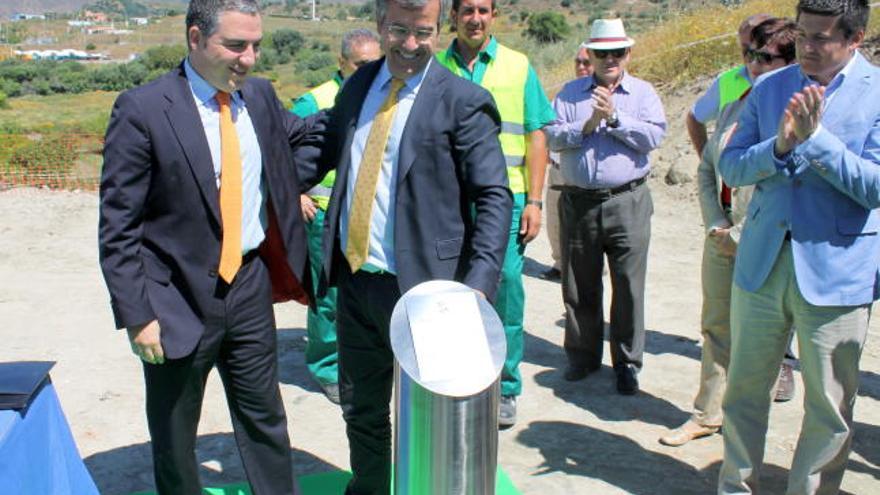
[(547, 27)]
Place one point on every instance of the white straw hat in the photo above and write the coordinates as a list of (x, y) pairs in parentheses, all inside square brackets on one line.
[(608, 34)]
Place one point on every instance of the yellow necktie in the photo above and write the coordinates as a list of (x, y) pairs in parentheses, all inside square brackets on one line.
[(230, 192), (368, 176)]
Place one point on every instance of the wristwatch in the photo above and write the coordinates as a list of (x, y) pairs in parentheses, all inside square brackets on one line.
[(613, 122), (536, 202)]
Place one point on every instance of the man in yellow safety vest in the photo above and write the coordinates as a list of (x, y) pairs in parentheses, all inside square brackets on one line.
[(507, 74)]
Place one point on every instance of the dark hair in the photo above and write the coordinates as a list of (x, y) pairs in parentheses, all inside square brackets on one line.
[(780, 32), (457, 3), (853, 13), (204, 13), (356, 37), (382, 7)]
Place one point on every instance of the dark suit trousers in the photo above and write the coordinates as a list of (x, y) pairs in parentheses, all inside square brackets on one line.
[(366, 371), (240, 340), (593, 226)]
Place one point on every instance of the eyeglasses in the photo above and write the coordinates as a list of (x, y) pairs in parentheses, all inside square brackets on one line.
[(401, 32), (616, 53), (762, 57), (581, 61)]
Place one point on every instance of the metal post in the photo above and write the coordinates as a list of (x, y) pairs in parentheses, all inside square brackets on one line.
[(446, 434)]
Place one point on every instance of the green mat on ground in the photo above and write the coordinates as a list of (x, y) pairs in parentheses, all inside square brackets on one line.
[(334, 482)]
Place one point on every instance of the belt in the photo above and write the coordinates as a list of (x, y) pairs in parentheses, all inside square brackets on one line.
[(608, 192)]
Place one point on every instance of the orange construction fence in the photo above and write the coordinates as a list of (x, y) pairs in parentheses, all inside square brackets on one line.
[(53, 160)]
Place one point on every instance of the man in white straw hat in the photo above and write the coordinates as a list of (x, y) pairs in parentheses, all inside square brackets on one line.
[(605, 127)]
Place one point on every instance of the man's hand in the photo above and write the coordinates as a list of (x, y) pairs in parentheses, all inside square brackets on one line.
[(603, 102), (603, 108), (806, 110), (530, 223), (145, 342), (725, 244), (800, 120), (309, 207)]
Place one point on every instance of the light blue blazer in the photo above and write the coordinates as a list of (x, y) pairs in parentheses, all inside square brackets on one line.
[(827, 202)]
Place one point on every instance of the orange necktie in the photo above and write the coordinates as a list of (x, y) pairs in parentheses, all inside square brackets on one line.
[(361, 212), (230, 192)]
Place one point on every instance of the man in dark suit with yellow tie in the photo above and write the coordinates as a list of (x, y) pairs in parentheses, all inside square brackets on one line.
[(421, 194), (196, 165)]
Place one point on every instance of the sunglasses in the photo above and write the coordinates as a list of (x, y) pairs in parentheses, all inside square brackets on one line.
[(582, 61), (616, 53), (762, 57)]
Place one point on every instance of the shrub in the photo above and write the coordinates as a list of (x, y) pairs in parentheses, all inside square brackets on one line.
[(287, 41), (3, 100), (163, 57), (548, 27)]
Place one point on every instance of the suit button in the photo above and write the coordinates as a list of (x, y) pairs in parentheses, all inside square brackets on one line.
[(212, 273), (783, 225), (798, 183)]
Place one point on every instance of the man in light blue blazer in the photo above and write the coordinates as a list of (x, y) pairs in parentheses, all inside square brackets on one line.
[(809, 140)]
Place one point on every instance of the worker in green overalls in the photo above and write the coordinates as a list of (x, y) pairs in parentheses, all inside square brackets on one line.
[(359, 46), (507, 74)]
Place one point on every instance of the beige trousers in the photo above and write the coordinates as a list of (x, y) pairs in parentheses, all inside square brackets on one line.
[(551, 206), (717, 276)]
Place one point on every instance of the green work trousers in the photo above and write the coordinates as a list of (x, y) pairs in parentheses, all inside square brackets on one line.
[(510, 302), (321, 356)]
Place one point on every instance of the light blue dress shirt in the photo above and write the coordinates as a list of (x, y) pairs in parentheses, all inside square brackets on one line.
[(607, 157), (253, 191), (381, 251)]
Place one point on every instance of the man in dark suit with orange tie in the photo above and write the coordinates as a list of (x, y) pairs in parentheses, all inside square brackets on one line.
[(196, 165), (421, 194)]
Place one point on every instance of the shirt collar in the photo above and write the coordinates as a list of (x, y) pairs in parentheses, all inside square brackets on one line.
[(487, 53), (625, 83), (201, 88), (413, 82), (838, 78)]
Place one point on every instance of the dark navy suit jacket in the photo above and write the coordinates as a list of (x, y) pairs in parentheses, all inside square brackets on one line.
[(160, 230), (453, 206)]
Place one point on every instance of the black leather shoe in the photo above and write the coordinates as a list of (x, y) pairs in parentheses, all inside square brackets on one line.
[(627, 382), (574, 373)]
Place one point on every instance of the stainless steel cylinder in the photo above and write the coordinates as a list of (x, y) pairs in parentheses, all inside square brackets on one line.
[(446, 432)]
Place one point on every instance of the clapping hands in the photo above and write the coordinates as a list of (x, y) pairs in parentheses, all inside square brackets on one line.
[(801, 119)]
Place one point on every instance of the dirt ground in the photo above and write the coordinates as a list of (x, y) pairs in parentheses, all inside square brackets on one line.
[(570, 439)]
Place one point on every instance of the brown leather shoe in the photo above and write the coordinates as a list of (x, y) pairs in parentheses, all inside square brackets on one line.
[(784, 384), (690, 430)]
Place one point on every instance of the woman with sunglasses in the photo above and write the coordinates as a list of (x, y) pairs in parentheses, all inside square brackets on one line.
[(772, 47)]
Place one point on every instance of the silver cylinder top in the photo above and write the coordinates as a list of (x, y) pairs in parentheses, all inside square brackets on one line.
[(448, 338)]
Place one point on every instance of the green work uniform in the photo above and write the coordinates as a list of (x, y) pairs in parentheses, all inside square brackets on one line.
[(524, 108), (321, 357)]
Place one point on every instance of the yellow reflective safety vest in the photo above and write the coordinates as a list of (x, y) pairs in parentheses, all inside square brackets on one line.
[(732, 84), (505, 79), (325, 96)]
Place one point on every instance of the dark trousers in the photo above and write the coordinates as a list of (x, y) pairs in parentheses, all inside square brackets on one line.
[(366, 371), (240, 340), (592, 226)]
